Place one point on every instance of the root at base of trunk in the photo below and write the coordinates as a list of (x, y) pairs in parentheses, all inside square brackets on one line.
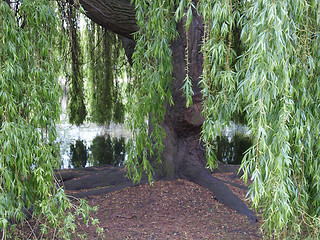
[(220, 190)]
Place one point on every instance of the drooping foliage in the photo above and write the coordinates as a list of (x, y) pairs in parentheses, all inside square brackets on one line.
[(105, 59), (73, 54), (152, 80), (94, 62), (29, 107), (219, 76), (281, 65), (261, 61)]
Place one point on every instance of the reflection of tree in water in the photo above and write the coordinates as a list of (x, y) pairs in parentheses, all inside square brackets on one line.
[(108, 151), (119, 150), (111, 151), (78, 154), (232, 150)]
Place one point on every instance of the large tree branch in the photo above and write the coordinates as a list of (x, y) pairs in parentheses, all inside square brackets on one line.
[(115, 15)]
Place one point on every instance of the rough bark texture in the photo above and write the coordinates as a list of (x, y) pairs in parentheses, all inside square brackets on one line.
[(115, 15), (184, 155)]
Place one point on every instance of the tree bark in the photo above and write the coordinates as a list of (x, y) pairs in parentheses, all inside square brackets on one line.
[(184, 154), (115, 15)]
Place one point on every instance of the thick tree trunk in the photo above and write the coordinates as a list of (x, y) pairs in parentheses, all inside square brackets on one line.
[(184, 155)]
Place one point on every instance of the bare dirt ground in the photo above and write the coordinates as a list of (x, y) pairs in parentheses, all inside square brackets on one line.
[(175, 209)]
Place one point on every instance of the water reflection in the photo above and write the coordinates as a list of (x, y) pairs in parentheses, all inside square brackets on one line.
[(92, 145), (231, 149), (75, 140), (70, 136), (78, 154), (105, 150)]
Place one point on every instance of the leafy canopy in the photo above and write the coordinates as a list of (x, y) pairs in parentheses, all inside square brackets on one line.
[(261, 59), (29, 107)]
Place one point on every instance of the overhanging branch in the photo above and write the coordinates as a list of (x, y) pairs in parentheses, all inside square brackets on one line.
[(115, 15)]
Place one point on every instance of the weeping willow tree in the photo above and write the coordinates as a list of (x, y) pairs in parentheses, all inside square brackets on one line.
[(199, 65), (29, 107)]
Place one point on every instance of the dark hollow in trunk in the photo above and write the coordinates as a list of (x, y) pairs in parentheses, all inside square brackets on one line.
[(184, 155)]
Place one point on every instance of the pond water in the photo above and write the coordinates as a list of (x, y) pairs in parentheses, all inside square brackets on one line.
[(91, 145), (232, 145)]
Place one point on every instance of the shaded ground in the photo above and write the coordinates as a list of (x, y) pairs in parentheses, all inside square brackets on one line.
[(175, 209)]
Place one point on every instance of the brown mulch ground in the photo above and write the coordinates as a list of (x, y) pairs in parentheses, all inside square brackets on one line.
[(175, 209)]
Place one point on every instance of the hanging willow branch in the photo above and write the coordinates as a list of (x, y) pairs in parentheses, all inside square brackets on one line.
[(152, 75), (29, 108), (97, 56), (219, 81), (77, 109), (73, 62), (105, 54), (282, 114)]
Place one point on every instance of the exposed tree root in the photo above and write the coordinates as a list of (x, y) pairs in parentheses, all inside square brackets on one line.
[(98, 181)]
